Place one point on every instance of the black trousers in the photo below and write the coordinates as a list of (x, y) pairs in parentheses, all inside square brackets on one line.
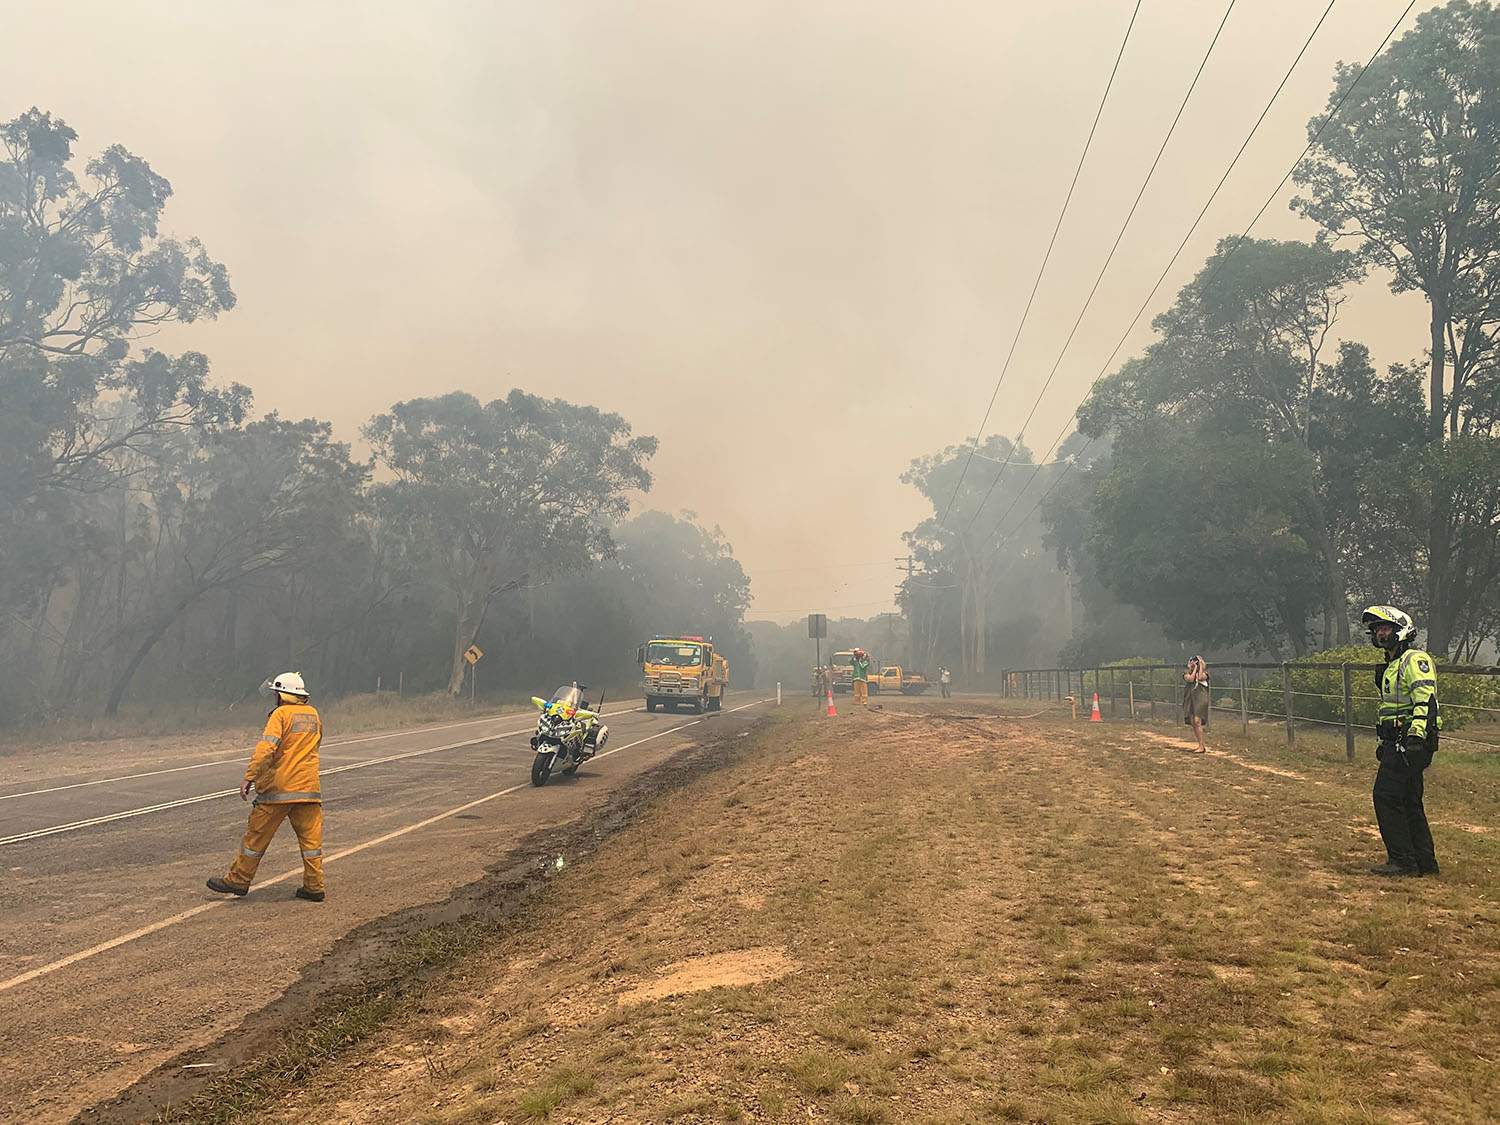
[(1399, 811)]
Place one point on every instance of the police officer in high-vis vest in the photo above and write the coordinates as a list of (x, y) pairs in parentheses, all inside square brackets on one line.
[(1408, 731)]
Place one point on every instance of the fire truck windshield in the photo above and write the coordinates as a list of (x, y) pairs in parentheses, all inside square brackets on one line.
[(674, 655)]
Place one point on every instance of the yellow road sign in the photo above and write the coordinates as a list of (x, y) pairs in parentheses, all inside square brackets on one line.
[(473, 653)]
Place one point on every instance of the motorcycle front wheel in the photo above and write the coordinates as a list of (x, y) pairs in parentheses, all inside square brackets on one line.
[(541, 767)]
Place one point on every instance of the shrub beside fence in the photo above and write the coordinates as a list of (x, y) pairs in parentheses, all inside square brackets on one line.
[(1335, 688)]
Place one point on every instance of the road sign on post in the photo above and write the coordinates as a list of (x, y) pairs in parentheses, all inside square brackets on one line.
[(473, 654)]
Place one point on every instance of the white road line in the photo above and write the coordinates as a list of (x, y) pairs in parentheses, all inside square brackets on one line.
[(193, 912), (73, 826), (229, 761)]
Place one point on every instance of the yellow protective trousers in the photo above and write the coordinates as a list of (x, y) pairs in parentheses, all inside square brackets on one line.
[(861, 691), (307, 822)]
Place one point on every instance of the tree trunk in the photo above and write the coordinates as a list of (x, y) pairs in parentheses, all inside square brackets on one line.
[(1335, 600), (71, 655), (1267, 638), (1299, 642), (965, 592), (981, 629), (127, 672), (1438, 546), (466, 632), (463, 636)]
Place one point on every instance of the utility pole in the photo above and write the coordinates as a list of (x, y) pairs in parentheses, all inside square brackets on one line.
[(908, 566)]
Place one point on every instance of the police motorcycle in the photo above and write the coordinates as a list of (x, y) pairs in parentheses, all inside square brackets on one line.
[(568, 732)]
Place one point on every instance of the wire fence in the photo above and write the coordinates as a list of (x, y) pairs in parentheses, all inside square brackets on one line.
[(1292, 694)]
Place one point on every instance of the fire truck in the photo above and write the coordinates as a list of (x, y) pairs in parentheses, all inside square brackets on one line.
[(682, 671)]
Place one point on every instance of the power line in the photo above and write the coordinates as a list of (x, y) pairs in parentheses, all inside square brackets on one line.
[(1239, 241), (1068, 199), (1110, 257), (1313, 140)]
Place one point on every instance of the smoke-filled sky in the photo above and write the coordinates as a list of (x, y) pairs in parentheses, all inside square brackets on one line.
[(792, 240)]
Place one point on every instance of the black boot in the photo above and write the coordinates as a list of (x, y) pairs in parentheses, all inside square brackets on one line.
[(225, 887), (1394, 869), (311, 896)]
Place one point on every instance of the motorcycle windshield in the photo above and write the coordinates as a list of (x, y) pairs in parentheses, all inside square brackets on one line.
[(564, 701)]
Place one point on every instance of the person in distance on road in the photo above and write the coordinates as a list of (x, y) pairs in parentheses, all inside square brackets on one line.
[(1408, 733), (945, 681), (283, 771)]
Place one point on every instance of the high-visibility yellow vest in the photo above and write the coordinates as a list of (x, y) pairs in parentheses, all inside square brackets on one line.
[(1408, 696)]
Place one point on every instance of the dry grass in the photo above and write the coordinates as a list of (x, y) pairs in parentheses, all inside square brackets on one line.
[(989, 919)]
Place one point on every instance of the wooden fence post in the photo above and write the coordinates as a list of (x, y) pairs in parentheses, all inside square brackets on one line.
[(1244, 707), (1151, 681), (1286, 696), (1348, 716)]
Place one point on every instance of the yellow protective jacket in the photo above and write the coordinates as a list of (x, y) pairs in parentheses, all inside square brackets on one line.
[(284, 766), (1408, 697)]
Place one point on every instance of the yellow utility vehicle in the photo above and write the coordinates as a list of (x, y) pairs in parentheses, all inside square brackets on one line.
[(895, 678), (683, 671)]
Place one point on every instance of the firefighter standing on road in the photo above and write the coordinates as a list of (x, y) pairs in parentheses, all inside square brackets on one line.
[(283, 770), (861, 680), (1408, 731)]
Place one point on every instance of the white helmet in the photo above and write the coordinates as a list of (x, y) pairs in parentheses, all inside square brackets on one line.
[(1377, 615), (288, 682)]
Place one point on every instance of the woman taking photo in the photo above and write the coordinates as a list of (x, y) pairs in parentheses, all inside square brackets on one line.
[(1196, 698)]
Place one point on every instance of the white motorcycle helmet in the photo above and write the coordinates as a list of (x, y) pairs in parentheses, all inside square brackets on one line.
[(1404, 631), (288, 683)]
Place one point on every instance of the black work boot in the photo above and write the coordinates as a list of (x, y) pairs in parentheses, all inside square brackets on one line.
[(1394, 869), (225, 887), (311, 896)]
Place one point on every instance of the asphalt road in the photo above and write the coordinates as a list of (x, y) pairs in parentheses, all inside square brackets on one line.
[(113, 955)]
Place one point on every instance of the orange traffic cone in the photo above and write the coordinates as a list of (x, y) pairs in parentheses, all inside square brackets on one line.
[(1094, 716), (831, 712)]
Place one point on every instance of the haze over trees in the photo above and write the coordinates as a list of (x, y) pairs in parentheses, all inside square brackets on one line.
[(1248, 485), (160, 540)]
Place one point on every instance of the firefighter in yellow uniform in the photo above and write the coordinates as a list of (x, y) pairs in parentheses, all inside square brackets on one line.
[(283, 770), (1408, 733)]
